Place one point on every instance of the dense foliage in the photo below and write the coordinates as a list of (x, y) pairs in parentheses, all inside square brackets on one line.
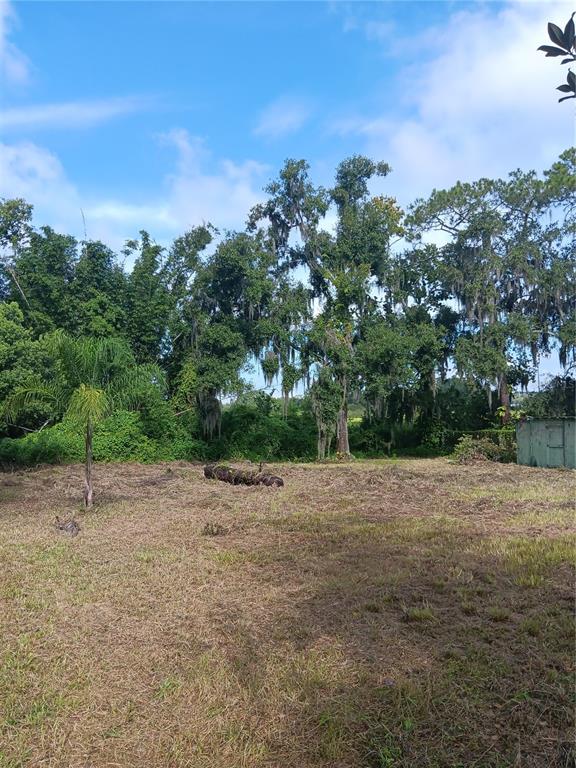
[(424, 324)]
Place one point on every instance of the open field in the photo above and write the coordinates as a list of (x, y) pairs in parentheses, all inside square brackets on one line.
[(372, 615)]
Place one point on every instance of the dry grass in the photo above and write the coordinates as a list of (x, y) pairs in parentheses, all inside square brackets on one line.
[(372, 615)]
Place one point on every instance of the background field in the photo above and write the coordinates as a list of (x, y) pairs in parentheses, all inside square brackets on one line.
[(375, 614)]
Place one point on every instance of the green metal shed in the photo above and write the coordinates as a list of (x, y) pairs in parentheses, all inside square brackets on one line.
[(547, 442)]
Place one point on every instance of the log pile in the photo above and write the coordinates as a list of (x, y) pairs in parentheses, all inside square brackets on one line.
[(241, 476)]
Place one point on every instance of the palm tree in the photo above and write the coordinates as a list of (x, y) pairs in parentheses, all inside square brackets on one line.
[(93, 378)]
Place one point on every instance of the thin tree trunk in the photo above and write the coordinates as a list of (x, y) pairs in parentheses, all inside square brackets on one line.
[(321, 445), (343, 442), (88, 468), (12, 274), (505, 399)]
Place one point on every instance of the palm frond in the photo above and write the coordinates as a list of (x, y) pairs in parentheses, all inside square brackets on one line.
[(35, 394), (88, 404), (90, 361), (135, 385), (110, 357)]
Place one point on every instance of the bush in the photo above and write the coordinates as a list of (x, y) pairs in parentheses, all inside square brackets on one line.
[(484, 447), (371, 439), (53, 445), (255, 429), (120, 437)]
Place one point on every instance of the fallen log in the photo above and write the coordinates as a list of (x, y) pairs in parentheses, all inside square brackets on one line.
[(241, 476)]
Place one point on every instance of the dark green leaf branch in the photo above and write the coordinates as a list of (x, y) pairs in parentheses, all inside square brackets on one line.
[(564, 45)]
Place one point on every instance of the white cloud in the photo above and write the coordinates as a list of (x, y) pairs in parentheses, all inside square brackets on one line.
[(190, 195), (71, 114), (480, 101), (15, 71), (34, 173), (14, 65), (283, 116), (223, 196)]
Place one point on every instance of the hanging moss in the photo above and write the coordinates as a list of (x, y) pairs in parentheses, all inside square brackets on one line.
[(270, 367), (210, 412)]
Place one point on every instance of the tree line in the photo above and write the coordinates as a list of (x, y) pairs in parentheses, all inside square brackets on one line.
[(430, 316)]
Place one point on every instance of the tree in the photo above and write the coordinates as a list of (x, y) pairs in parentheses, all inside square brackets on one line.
[(282, 332), (557, 399), (560, 278), (564, 45), (98, 292), (93, 378), (15, 228), (235, 311), (148, 303), (21, 357), (343, 269), (179, 271), (325, 399), (43, 267), (217, 360), (506, 264), (399, 356)]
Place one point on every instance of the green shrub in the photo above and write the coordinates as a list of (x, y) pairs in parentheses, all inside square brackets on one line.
[(371, 439), (434, 434), (470, 449), (255, 429), (120, 437), (54, 445), (482, 446)]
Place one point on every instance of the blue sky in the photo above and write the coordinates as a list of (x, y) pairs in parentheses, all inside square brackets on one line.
[(160, 115)]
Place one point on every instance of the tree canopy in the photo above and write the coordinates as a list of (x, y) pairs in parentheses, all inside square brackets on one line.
[(403, 316)]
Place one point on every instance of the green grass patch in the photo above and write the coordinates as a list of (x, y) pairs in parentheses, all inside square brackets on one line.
[(530, 561), (519, 493), (235, 557), (421, 614), (560, 517), (168, 687)]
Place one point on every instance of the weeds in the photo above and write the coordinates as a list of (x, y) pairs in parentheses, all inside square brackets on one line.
[(423, 613)]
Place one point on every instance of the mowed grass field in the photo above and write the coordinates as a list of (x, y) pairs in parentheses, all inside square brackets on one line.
[(374, 615)]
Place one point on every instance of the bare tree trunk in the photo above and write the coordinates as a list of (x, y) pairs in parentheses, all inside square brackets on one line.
[(343, 443), (321, 444), (12, 274), (88, 468), (505, 399)]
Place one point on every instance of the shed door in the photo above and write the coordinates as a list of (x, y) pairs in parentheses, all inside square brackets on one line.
[(555, 443)]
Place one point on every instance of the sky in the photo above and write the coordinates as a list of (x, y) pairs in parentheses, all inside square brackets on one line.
[(121, 116)]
